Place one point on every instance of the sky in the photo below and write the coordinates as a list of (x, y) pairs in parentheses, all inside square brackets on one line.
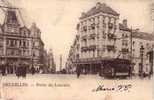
[(57, 19)]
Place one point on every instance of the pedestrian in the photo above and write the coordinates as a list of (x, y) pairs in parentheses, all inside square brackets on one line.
[(17, 71), (78, 71), (25, 70), (32, 70), (3, 69)]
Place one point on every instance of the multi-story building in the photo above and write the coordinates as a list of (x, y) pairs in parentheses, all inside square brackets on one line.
[(142, 46), (101, 37), (97, 30), (37, 48), (136, 46), (73, 56), (18, 44)]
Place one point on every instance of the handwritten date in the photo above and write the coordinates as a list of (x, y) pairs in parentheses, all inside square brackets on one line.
[(118, 88)]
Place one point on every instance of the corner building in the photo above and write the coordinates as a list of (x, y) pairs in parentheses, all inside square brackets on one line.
[(101, 37), (18, 43), (97, 29)]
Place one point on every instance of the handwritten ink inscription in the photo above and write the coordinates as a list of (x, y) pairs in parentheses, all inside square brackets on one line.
[(118, 88)]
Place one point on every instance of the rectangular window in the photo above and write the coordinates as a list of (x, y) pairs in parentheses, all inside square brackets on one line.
[(1, 42)]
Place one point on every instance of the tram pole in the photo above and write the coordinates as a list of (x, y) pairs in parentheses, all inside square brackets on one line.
[(131, 58)]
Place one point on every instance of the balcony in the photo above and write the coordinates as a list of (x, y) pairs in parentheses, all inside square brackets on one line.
[(85, 28), (92, 36), (84, 37), (125, 50), (110, 25), (92, 47), (111, 36), (88, 48), (90, 60), (110, 47), (93, 26), (85, 48)]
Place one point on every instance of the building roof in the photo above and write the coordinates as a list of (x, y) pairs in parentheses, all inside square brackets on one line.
[(122, 27), (100, 7), (137, 34), (24, 27), (11, 18), (143, 35)]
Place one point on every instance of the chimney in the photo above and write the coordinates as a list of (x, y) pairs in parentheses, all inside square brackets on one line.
[(98, 4), (78, 26), (137, 29), (124, 22), (83, 14)]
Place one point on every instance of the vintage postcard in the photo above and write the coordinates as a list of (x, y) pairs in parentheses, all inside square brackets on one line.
[(76, 49)]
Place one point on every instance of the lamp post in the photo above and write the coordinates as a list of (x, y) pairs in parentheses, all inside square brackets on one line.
[(141, 55)]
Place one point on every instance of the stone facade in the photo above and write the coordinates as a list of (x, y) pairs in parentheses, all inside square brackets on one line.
[(101, 36), (130, 44), (19, 44)]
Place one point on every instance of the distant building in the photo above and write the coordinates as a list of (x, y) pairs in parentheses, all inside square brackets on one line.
[(51, 62), (37, 46), (131, 48), (101, 36), (73, 56)]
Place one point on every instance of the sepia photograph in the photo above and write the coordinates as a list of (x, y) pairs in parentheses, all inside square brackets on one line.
[(76, 49)]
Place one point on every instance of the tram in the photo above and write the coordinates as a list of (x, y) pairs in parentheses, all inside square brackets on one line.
[(115, 68)]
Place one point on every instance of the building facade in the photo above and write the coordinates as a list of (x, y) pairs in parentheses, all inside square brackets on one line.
[(37, 48), (18, 43), (97, 30), (73, 56), (136, 46), (101, 37)]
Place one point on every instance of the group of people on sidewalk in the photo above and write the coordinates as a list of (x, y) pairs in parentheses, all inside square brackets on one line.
[(20, 70)]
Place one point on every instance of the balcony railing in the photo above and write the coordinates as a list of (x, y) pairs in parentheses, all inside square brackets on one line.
[(84, 37), (85, 28), (111, 36), (93, 26), (85, 48), (110, 47), (88, 48), (125, 50), (110, 25), (92, 47), (92, 36)]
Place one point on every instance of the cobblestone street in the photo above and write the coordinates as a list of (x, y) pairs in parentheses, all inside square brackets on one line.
[(68, 87)]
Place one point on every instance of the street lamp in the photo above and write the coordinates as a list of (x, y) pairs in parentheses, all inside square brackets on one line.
[(141, 55)]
